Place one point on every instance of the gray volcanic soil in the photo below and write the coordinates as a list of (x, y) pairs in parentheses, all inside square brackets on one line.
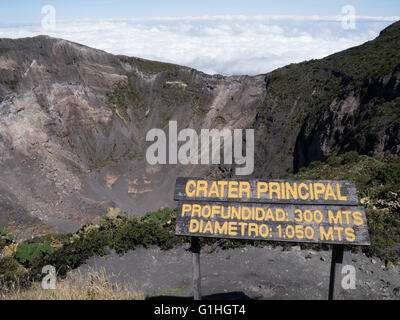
[(249, 272)]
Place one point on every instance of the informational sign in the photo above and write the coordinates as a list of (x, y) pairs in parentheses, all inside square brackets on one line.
[(267, 191), (277, 210)]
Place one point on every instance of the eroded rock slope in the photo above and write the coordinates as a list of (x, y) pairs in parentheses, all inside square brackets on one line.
[(73, 122)]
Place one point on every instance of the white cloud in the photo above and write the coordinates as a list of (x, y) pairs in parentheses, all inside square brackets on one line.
[(217, 44)]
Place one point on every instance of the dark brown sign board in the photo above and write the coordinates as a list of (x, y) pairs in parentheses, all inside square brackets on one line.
[(274, 222), (275, 210), (266, 191)]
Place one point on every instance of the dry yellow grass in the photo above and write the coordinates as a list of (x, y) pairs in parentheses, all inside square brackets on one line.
[(96, 286)]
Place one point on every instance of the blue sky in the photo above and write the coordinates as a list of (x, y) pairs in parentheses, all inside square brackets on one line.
[(29, 11), (219, 36)]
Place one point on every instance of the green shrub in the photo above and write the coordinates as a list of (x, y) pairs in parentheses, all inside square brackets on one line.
[(5, 239), (122, 234), (71, 255), (315, 164), (8, 236), (27, 252), (384, 230), (128, 234), (388, 173), (334, 161), (12, 274), (160, 217), (350, 157)]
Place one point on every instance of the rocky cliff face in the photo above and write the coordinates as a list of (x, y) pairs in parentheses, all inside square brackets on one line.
[(347, 101), (73, 122), (73, 125)]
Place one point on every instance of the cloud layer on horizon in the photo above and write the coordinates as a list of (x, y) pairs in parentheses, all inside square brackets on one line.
[(226, 45)]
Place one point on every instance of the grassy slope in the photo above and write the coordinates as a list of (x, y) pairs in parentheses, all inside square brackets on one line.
[(338, 74), (378, 185)]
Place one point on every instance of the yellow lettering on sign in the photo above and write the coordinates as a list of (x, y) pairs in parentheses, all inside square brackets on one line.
[(269, 215), (214, 190), (319, 188), (350, 236), (208, 227), (219, 229), (283, 191), (263, 230), (347, 213), (253, 227), (225, 213), (258, 216), (357, 218), (246, 220), (329, 193), (244, 188), (246, 213), (217, 189), (274, 188), (338, 232), (311, 192), (235, 213), (194, 226), (243, 226), (216, 210), (280, 214), (186, 208), (326, 235), (196, 208), (292, 190), (262, 187), (206, 211), (340, 197), (301, 195), (232, 229), (333, 219), (201, 187), (190, 193), (232, 189), (222, 185)]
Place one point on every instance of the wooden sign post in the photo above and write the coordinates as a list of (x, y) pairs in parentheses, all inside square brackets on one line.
[(336, 262), (274, 210), (195, 248)]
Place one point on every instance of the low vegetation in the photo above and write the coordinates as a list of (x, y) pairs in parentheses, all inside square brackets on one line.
[(378, 185), (321, 90), (5, 239), (121, 99), (148, 66), (12, 84), (94, 286)]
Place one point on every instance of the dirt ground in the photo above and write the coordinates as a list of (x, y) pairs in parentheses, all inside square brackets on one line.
[(245, 273)]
